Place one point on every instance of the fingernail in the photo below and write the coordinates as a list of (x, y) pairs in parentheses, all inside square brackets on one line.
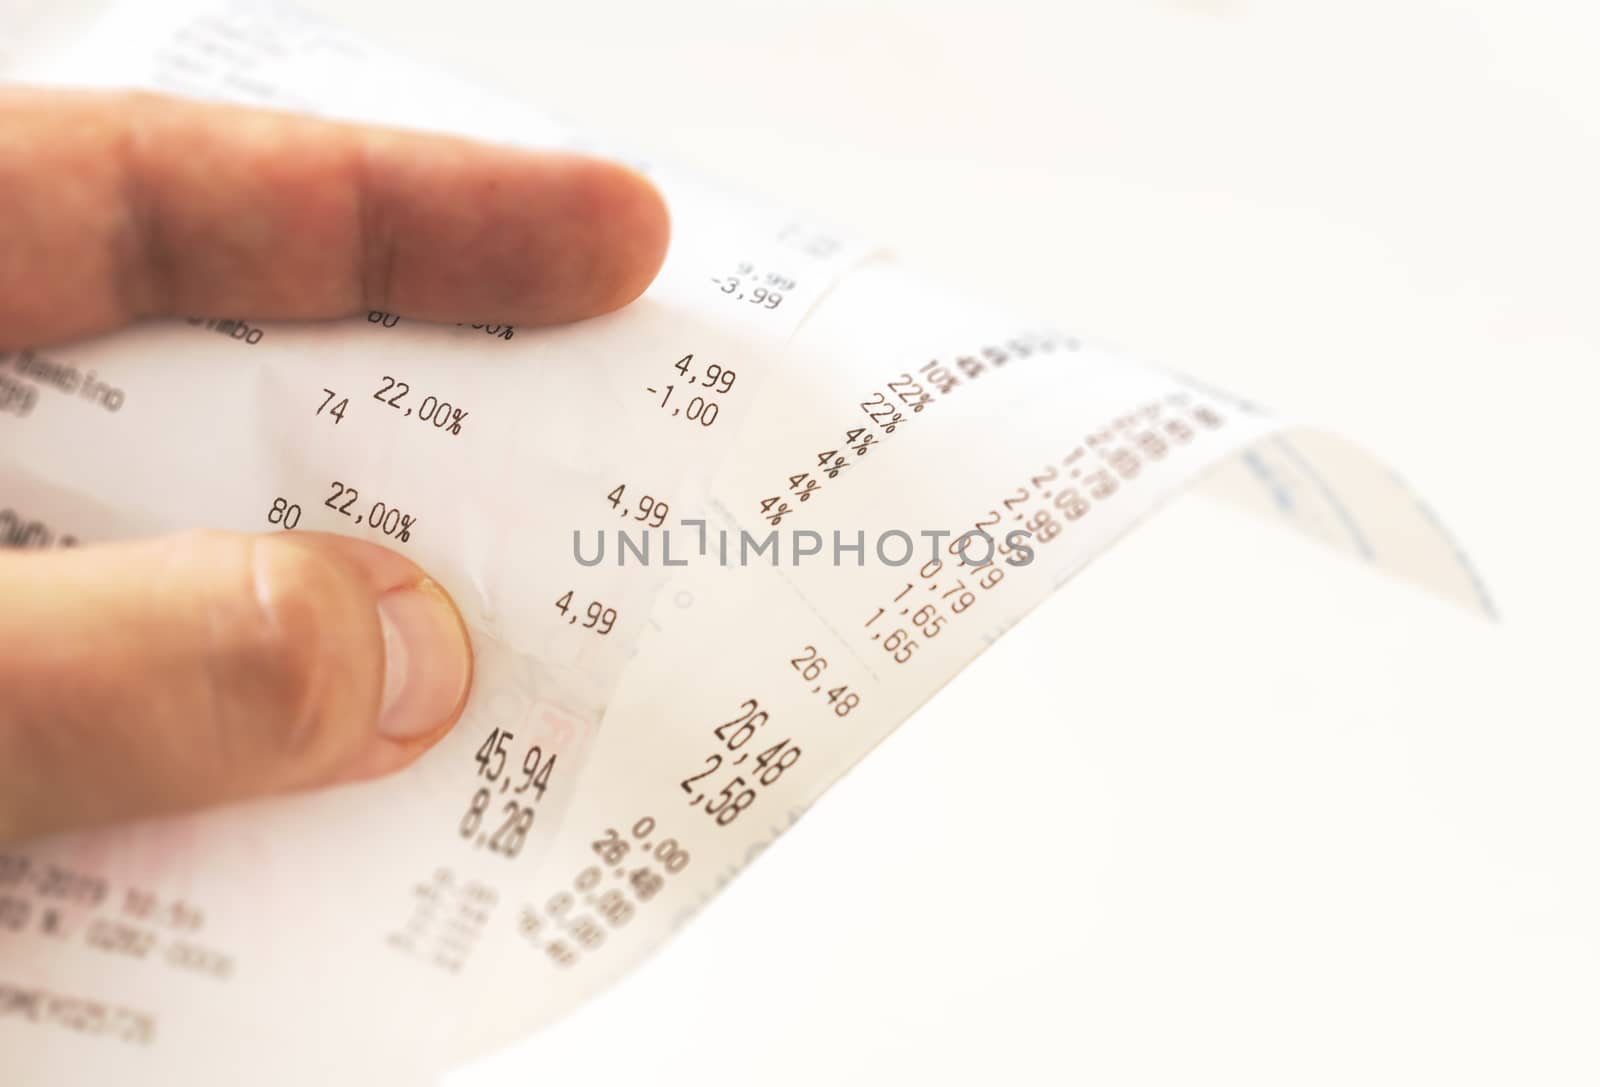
[(427, 661)]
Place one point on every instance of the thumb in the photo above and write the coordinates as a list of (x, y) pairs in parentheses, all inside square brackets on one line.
[(162, 675)]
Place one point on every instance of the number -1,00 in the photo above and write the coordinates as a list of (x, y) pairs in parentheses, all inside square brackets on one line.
[(702, 411)]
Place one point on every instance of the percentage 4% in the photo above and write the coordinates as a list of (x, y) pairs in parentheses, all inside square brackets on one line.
[(774, 509), (831, 463), (795, 484)]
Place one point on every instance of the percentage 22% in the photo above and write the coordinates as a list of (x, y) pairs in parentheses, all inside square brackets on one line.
[(440, 413), (380, 516)]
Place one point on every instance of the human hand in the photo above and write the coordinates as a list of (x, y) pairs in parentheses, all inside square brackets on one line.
[(157, 676)]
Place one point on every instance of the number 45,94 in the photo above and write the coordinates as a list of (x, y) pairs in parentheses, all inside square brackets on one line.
[(491, 760)]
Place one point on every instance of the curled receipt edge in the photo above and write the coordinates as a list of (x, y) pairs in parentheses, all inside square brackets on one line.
[(781, 379)]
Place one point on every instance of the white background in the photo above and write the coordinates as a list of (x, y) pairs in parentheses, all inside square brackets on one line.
[(1227, 809)]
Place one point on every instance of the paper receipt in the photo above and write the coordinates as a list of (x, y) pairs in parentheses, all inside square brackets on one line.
[(791, 456)]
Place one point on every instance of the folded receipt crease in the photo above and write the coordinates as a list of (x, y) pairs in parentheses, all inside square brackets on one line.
[(780, 377)]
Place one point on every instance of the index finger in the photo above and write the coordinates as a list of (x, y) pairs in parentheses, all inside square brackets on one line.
[(123, 205)]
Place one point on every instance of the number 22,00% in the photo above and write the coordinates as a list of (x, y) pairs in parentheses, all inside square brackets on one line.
[(441, 414), (380, 516)]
